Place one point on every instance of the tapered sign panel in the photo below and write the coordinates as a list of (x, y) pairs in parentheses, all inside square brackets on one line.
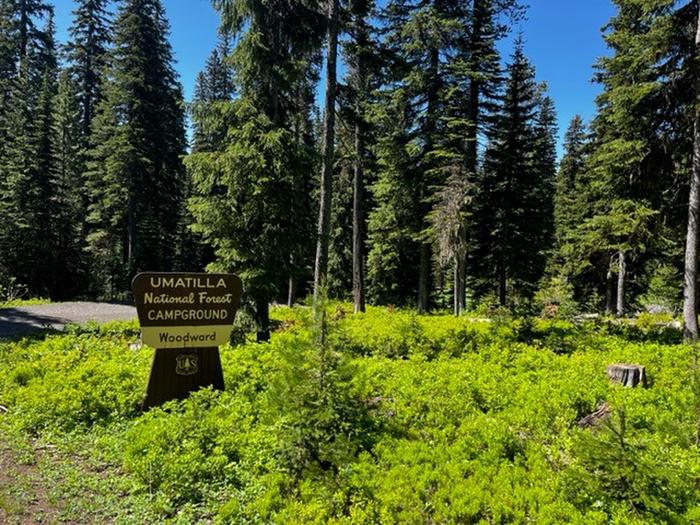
[(186, 310), (185, 317)]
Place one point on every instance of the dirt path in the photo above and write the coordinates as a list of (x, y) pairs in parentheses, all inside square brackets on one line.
[(24, 496), (25, 319)]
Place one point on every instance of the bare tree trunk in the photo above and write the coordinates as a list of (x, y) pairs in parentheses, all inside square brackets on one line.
[(424, 278), (291, 292), (621, 280), (690, 309), (502, 278), (610, 293), (358, 276), (131, 232), (431, 117), (471, 157), (502, 270), (262, 314), (324, 215), (459, 284)]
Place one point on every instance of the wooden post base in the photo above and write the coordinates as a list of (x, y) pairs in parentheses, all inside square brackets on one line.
[(175, 373)]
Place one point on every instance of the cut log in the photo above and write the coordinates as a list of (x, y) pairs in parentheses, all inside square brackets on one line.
[(596, 418), (627, 375)]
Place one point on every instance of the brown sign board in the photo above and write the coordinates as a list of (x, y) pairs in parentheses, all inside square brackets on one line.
[(186, 310), (185, 317)]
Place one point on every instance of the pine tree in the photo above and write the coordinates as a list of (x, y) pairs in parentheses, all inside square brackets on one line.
[(215, 84), (87, 56), (363, 67), (566, 214), (263, 174), (135, 172), (639, 160), (477, 72), (420, 39), (691, 330), (213, 88), (326, 180), (29, 83), (514, 200), (544, 165), (67, 211)]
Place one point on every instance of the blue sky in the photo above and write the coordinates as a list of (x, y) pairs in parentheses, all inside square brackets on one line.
[(562, 38)]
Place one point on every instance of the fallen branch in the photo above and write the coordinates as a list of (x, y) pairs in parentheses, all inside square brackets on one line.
[(596, 418)]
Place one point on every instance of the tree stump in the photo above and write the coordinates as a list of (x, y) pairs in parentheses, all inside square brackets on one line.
[(627, 375)]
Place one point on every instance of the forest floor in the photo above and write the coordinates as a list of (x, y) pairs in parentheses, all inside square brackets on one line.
[(24, 491), (25, 319), (418, 419)]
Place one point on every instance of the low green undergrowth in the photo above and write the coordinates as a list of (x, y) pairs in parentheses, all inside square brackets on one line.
[(14, 303), (395, 418)]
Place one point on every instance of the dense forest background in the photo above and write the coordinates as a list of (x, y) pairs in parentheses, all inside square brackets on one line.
[(432, 181)]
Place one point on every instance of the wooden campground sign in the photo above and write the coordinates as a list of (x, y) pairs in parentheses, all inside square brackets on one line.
[(185, 317)]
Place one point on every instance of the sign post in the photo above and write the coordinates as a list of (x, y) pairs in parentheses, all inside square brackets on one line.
[(185, 317)]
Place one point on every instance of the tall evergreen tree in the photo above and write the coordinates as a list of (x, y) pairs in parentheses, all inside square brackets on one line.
[(29, 85), (263, 174), (570, 182), (87, 56), (213, 89), (516, 184), (478, 73), (215, 84), (135, 171), (67, 211), (420, 40), (641, 148), (326, 181), (360, 58), (566, 213)]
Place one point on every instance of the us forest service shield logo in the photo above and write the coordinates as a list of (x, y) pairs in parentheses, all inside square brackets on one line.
[(186, 364)]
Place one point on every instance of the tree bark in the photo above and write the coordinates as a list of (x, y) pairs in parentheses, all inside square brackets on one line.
[(431, 125), (459, 284), (502, 279), (424, 278), (471, 156), (358, 277), (621, 281), (130, 233), (610, 293), (691, 331), (262, 313), (291, 292), (502, 270), (324, 215)]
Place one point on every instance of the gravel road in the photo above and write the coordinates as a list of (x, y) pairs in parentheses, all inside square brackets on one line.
[(25, 319)]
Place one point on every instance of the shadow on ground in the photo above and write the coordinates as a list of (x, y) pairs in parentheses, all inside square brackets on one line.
[(16, 322)]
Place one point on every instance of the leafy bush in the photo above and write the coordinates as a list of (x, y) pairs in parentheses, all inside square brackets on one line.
[(66, 382)]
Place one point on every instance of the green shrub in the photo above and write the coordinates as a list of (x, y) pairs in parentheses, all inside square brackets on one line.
[(66, 382), (555, 298)]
